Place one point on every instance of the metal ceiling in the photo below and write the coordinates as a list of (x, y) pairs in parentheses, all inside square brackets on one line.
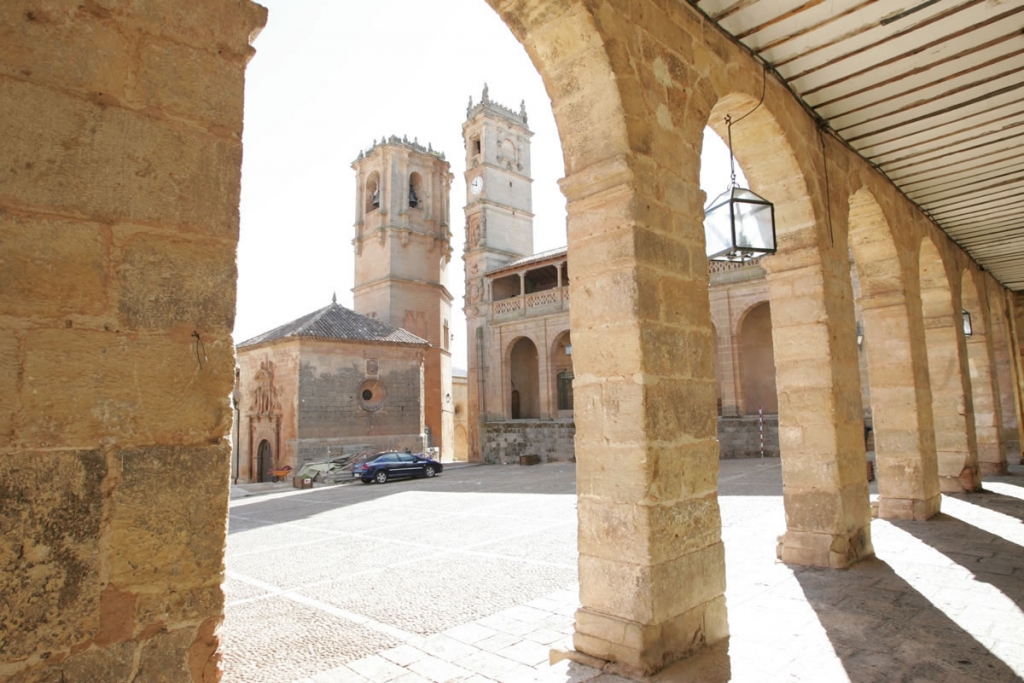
[(930, 92)]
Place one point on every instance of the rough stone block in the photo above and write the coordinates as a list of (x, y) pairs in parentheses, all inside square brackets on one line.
[(166, 281), (50, 516), (138, 389), (112, 164), (680, 407), (227, 26), (194, 83), (67, 44), (51, 267), (169, 520)]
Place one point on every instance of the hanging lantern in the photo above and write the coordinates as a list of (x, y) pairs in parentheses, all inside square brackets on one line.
[(738, 225), (968, 328)]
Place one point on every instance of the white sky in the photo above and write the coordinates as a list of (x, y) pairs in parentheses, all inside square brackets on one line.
[(329, 77)]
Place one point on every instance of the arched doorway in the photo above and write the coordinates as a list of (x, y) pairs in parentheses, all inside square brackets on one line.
[(524, 399), (757, 361), (264, 461)]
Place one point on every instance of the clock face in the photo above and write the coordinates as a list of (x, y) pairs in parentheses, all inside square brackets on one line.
[(477, 185)]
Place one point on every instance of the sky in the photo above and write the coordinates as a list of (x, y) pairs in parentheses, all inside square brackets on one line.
[(332, 76)]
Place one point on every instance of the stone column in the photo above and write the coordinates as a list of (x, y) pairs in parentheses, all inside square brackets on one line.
[(952, 403), (1015, 302), (821, 430), (652, 573), (988, 418), (907, 469)]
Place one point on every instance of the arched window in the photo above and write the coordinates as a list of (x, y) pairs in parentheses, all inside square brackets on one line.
[(565, 390), (372, 192), (415, 190)]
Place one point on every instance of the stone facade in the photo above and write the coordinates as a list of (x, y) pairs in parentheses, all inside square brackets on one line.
[(119, 179)]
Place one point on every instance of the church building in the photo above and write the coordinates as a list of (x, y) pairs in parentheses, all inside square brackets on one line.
[(338, 381)]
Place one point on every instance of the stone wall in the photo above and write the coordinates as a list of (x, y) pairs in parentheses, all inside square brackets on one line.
[(551, 440), (334, 420), (739, 437)]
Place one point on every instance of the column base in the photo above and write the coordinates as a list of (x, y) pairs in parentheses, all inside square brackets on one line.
[(909, 508), (969, 481), (993, 469), (644, 649), (816, 549)]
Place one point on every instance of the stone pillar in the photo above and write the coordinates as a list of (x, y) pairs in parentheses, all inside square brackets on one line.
[(952, 404), (652, 566), (821, 430), (119, 189), (1015, 302), (907, 468), (988, 418)]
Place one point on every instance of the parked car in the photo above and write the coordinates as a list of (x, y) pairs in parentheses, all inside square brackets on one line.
[(393, 465)]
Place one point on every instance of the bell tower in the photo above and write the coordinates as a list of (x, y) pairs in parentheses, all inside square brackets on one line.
[(402, 251), (499, 223)]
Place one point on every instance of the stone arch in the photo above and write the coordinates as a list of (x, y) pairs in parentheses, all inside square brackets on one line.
[(416, 195), (988, 419), (757, 360), (560, 373), (897, 365), (813, 326), (523, 389), (640, 324), (952, 405)]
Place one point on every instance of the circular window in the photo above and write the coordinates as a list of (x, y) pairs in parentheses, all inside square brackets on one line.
[(371, 395)]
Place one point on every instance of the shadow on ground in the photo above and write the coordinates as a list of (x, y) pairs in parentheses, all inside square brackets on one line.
[(884, 631)]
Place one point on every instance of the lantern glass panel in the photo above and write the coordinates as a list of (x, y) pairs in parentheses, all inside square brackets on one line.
[(718, 226), (754, 224)]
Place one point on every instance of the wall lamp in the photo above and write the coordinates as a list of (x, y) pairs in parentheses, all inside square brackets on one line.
[(968, 328)]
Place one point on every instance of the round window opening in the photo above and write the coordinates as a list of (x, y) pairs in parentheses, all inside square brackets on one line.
[(371, 395)]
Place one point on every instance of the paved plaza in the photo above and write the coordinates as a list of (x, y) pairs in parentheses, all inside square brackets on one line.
[(471, 576)]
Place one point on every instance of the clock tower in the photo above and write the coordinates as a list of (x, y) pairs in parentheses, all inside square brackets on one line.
[(499, 220), (402, 250)]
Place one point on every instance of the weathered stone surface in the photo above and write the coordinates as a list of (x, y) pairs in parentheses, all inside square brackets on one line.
[(166, 282), (9, 364), (125, 166), (155, 541), (51, 266), (66, 44), (139, 389), (50, 515)]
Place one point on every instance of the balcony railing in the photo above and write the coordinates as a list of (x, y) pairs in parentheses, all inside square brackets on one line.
[(537, 303)]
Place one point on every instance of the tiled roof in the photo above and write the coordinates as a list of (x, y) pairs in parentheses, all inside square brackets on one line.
[(337, 322), (542, 256)]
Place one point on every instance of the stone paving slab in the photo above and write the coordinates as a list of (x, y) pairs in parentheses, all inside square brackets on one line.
[(486, 592)]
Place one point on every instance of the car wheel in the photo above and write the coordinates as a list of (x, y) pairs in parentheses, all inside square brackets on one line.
[(366, 481), (381, 476), (429, 471), (275, 479)]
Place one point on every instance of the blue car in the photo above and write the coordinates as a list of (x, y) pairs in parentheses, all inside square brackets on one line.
[(394, 465)]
